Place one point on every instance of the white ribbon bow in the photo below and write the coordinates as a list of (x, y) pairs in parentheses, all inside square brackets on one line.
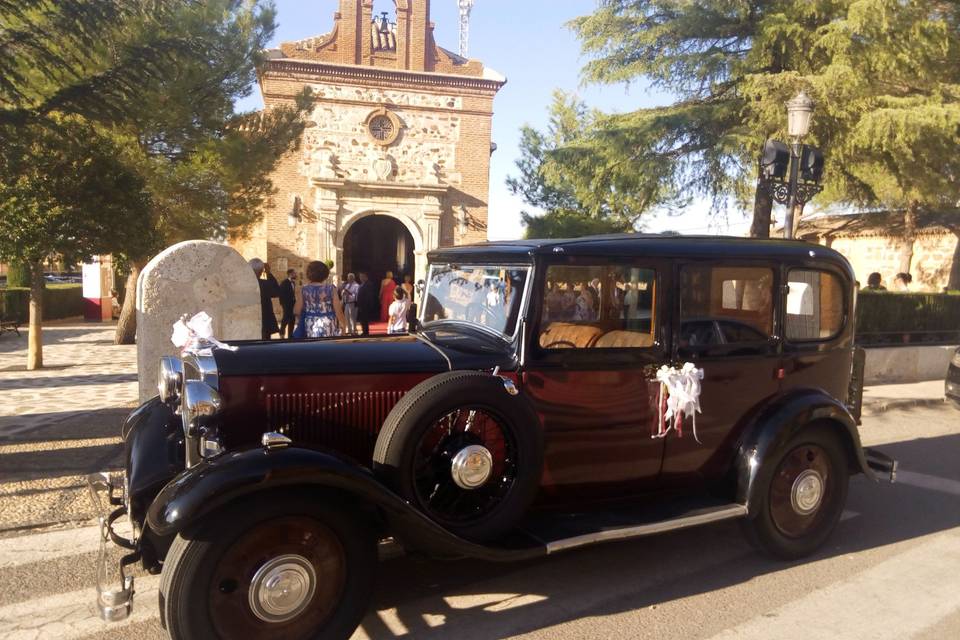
[(196, 335), (682, 389)]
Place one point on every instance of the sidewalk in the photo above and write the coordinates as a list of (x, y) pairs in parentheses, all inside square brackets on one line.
[(887, 397)]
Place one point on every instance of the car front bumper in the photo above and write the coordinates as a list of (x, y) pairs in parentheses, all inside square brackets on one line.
[(113, 602)]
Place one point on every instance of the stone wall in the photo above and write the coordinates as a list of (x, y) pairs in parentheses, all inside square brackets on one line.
[(933, 257), (187, 278)]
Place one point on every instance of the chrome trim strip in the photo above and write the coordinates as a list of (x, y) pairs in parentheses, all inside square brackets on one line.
[(726, 512), (443, 355)]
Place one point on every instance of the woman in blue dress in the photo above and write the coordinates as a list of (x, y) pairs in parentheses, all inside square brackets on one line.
[(318, 308)]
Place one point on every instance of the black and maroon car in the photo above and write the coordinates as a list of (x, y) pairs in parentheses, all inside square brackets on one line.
[(524, 419)]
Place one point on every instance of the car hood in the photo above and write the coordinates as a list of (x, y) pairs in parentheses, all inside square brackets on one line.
[(393, 354)]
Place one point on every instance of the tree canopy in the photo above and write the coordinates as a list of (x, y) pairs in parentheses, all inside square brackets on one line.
[(68, 192), (883, 74), (151, 85), (580, 176)]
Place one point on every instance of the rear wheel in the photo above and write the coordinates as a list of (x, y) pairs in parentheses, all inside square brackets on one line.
[(277, 568), (801, 492)]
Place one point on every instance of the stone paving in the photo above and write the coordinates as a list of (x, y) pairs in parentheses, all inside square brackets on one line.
[(62, 422)]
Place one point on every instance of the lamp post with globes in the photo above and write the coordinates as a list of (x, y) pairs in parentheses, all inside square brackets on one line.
[(805, 162)]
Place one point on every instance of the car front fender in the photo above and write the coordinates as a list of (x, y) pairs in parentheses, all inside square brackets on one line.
[(211, 484), (777, 423)]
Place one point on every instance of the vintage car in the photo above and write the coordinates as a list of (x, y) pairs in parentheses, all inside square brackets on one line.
[(525, 418)]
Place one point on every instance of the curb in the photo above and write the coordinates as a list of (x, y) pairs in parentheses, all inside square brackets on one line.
[(882, 406)]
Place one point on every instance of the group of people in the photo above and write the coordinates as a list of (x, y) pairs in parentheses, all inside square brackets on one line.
[(324, 309), (901, 282), (580, 301)]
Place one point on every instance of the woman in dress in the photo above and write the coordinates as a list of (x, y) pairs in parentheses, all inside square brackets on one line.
[(407, 286), (387, 286), (319, 307)]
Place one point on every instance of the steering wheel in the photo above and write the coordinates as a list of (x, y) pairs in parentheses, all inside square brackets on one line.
[(562, 343)]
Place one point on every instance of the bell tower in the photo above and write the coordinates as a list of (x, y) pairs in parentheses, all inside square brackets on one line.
[(362, 38)]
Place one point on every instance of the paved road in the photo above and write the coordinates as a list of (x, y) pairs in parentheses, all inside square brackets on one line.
[(890, 571)]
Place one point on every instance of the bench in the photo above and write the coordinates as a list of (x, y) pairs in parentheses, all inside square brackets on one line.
[(9, 325)]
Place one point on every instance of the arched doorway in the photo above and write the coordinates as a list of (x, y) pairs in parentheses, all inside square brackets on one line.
[(377, 244)]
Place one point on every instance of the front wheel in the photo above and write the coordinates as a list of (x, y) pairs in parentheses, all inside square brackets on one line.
[(801, 492), (283, 567)]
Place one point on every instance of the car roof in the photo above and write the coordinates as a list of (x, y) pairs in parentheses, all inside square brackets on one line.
[(640, 244)]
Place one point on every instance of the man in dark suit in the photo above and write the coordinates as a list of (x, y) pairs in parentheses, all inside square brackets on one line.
[(269, 288), (368, 303), (288, 299)]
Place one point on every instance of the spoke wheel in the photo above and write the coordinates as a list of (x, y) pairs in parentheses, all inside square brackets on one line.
[(437, 491), (466, 448), (284, 576)]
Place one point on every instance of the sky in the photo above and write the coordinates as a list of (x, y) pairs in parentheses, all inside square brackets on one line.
[(528, 42)]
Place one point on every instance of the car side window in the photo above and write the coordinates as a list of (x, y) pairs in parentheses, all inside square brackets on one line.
[(815, 309), (598, 307), (725, 306)]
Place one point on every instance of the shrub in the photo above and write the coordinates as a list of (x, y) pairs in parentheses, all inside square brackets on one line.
[(884, 317), (59, 301), (18, 275)]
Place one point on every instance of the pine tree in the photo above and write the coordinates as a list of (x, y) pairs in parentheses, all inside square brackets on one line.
[(883, 72)]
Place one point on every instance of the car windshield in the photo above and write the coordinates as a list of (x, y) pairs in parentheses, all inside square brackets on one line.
[(483, 295)]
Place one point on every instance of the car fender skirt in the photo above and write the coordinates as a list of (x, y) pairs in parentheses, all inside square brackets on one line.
[(779, 421), (211, 484)]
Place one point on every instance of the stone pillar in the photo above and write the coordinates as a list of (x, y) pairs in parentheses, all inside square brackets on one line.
[(187, 278)]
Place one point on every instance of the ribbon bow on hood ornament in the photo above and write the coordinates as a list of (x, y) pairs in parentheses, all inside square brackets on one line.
[(195, 335)]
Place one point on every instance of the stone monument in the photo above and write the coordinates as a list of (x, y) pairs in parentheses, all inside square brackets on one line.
[(187, 278)]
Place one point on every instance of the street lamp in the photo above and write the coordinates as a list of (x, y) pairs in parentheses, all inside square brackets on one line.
[(805, 162), (799, 112)]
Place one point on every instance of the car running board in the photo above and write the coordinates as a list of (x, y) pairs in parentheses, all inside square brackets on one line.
[(588, 529)]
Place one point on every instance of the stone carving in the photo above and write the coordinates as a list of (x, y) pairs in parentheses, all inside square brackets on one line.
[(187, 278), (383, 168)]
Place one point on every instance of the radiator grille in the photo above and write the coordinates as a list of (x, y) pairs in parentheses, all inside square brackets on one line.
[(344, 421)]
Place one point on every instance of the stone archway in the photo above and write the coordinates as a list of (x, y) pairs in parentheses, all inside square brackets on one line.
[(377, 243)]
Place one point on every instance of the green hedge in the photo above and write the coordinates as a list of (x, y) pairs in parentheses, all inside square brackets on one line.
[(885, 317), (59, 301), (18, 275)]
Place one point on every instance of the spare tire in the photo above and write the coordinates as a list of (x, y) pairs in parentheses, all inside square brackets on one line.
[(465, 451)]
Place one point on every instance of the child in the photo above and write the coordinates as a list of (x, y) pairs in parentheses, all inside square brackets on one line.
[(398, 312)]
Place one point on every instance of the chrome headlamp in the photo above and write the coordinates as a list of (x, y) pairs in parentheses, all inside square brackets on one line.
[(199, 408), (956, 359), (201, 403), (170, 381)]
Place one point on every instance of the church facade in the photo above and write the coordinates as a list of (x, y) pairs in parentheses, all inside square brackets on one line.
[(395, 158)]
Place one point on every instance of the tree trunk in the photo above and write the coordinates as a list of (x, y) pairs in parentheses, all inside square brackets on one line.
[(954, 283), (35, 339), (762, 208), (909, 235), (127, 323)]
